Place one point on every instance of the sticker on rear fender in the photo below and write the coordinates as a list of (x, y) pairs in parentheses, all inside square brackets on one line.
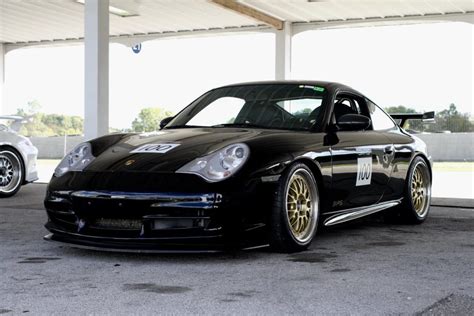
[(154, 148), (364, 171)]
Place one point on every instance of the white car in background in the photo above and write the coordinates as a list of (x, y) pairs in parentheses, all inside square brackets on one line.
[(17, 157)]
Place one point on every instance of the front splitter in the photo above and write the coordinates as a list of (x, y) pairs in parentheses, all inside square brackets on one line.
[(96, 246)]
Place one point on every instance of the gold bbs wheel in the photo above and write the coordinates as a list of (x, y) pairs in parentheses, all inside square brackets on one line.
[(420, 186), (302, 205)]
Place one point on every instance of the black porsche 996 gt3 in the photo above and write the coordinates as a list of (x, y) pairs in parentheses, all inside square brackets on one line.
[(246, 164)]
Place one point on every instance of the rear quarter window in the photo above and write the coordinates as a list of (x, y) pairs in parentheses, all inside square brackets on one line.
[(380, 120)]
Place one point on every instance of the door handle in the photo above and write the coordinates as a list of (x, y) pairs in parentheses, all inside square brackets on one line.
[(388, 150)]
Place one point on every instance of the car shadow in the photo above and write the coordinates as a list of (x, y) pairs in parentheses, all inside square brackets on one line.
[(326, 236)]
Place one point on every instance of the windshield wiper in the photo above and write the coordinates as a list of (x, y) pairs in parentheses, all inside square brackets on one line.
[(184, 126), (241, 125), (248, 125)]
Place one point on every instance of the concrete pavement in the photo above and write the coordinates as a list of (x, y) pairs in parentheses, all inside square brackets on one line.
[(366, 267)]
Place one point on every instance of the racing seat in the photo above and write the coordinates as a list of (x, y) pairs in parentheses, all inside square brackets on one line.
[(258, 112), (341, 109), (313, 116)]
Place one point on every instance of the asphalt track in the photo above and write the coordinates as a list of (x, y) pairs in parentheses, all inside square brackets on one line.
[(367, 267)]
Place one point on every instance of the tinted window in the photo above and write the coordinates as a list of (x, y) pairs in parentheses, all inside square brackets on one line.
[(276, 106), (349, 104), (380, 120), (221, 110), (302, 108)]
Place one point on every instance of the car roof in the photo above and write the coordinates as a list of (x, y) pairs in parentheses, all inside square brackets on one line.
[(325, 84)]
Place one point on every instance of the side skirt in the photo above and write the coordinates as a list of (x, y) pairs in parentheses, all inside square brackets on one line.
[(358, 212)]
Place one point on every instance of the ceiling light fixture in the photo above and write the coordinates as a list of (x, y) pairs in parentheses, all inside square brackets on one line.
[(116, 11)]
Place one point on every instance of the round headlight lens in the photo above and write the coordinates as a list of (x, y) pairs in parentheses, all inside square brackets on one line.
[(76, 160), (219, 165)]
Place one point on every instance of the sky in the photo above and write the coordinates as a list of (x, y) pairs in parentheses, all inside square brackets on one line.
[(424, 66)]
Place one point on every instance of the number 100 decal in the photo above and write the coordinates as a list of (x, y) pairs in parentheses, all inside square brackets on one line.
[(154, 148), (364, 171)]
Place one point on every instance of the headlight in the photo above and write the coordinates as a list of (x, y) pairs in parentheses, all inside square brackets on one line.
[(76, 160), (219, 165)]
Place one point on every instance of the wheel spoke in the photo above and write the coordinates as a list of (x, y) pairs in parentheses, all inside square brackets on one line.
[(300, 224), (300, 186), (297, 225), (294, 189), (293, 221), (303, 225), (304, 187)]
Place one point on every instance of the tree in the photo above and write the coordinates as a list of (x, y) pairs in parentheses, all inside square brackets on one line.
[(416, 125), (30, 109), (399, 109), (42, 124), (452, 120), (304, 112), (148, 119)]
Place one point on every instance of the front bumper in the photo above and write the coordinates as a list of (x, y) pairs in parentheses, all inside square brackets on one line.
[(152, 221)]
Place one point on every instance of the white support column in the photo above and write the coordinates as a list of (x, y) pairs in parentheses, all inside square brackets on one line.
[(2, 79), (283, 52), (96, 45)]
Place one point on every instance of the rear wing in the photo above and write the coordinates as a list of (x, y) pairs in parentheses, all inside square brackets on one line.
[(11, 117), (17, 121), (427, 117)]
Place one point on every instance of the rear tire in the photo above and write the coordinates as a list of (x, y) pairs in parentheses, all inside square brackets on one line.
[(12, 172), (415, 206), (295, 211)]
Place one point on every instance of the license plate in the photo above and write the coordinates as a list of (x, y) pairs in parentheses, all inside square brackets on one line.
[(118, 223), (173, 223)]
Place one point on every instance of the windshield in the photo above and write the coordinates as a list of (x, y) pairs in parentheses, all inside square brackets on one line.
[(275, 106)]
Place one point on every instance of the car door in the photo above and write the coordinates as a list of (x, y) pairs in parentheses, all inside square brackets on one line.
[(399, 154), (359, 172)]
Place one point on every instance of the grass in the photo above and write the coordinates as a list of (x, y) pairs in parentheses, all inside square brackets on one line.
[(454, 166), (49, 162)]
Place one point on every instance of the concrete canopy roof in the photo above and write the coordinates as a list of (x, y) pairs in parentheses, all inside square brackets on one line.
[(33, 22)]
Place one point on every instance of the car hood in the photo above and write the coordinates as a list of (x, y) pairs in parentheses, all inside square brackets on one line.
[(183, 145)]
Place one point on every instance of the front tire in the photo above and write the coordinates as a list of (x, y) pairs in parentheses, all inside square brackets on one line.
[(11, 172), (295, 212)]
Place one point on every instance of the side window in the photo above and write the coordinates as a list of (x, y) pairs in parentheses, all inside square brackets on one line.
[(342, 106), (349, 104), (380, 120)]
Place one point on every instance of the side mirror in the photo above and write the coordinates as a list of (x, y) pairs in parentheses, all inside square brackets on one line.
[(165, 121), (353, 122)]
